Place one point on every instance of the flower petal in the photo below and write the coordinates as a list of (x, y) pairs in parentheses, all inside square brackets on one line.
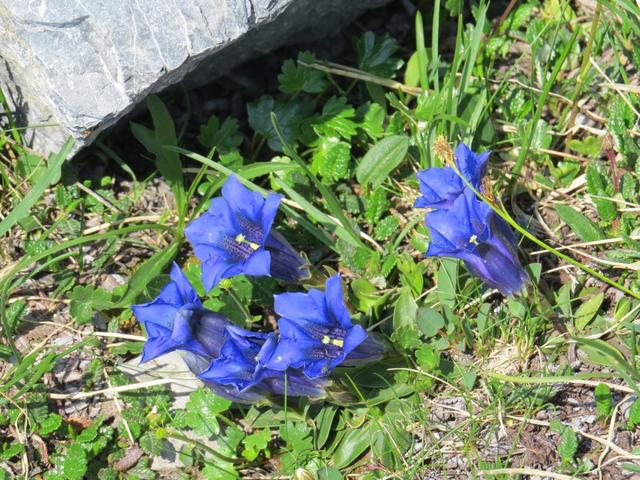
[(243, 201), (335, 303)]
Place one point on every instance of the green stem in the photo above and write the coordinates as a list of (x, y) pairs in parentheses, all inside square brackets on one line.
[(247, 315)]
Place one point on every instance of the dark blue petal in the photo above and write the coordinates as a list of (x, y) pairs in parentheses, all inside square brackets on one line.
[(268, 213), (296, 306), (497, 270), (335, 303), (471, 166), (215, 269), (187, 292), (243, 201), (439, 187), (286, 263), (295, 385), (370, 350), (354, 337), (257, 265)]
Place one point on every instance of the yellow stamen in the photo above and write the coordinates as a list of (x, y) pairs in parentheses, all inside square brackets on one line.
[(240, 238), (337, 342), (443, 151), (473, 239), (325, 340)]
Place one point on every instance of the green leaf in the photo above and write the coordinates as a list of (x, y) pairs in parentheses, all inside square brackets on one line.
[(376, 205), (337, 119), (50, 424), (291, 116), (386, 228), (580, 224), (10, 450), (372, 122), (202, 410), (331, 159), (405, 310), (74, 465), (376, 55), (587, 311), (255, 443), (381, 160), (353, 444), (430, 322), (225, 138), (49, 177), (85, 300), (604, 400), (634, 414), (329, 473), (164, 134), (568, 445), (447, 281), (324, 421), (589, 146), (296, 78), (297, 436)]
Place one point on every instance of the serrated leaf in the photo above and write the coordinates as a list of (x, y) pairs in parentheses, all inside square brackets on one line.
[(202, 410), (296, 78), (375, 55), (74, 465), (372, 119), (337, 119), (568, 445), (50, 424), (224, 138), (604, 400), (376, 205), (331, 159), (584, 228), (255, 443), (291, 116), (386, 228), (381, 159), (634, 414)]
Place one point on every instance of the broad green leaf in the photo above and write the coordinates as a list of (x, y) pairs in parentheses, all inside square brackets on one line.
[(429, 321), (587, 311), (580, 224), (291, 116), (375, 55), (324, 421), (224, 137), (381, 160), (447, 281), (85, 300), (49, 177), (353, 444), (405, 310)]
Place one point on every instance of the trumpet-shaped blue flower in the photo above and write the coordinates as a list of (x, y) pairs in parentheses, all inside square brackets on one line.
[(235, 237), (470, 230), (440, 187), (316, 332), (176, 320), (237, 366)]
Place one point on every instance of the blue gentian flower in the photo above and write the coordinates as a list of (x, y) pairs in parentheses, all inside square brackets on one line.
[(235, 237), (440, 187), (316, 332), (237, 366), (472, 231), (176, 320)]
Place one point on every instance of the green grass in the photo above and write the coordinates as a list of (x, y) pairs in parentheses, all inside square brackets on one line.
[(474, 384)]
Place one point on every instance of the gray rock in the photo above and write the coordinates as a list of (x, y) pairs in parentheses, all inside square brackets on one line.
[(81, 65)]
